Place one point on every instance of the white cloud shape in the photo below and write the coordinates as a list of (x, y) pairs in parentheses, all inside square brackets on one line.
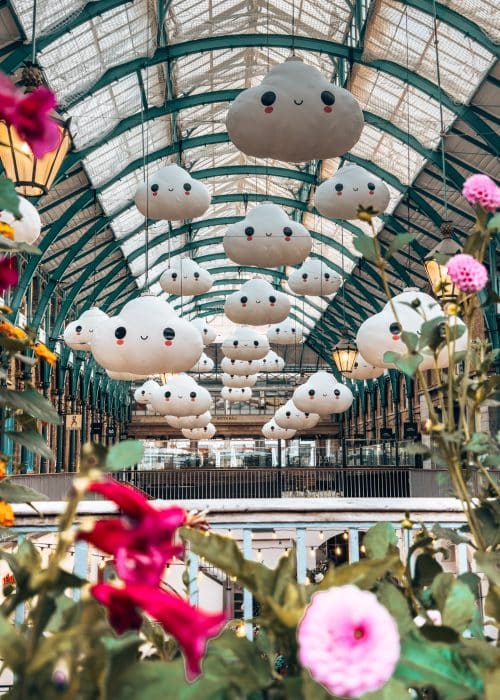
[(189, 421), (239, 381), (185, 278), (267, 237), (124, 376), (364, 370), (26, 229), (314, 278), (236, 394), (322, 394), (245, 344), (295, 115), (289, 416), (288, 332), (272, 431), (204, 364), (239, 367), (350, 188), (208, 333), (272, 362), (206, 433), (143, 393), (172, 194), (181, 396), (257, 303), (146, 338), (78, 334)]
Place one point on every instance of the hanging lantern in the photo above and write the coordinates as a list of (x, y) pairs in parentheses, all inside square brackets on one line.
[(245, 344), (32, 177), (344, 353), (257, 303), (436, 271)]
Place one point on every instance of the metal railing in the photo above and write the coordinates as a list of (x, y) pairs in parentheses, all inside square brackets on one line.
[(203, 484)]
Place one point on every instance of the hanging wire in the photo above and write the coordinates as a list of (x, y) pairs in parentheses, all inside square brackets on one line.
[(293, 27), (408, 171), (33, 34), (441, 111)]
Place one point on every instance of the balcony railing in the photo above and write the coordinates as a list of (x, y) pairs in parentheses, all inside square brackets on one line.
[(208, 484)]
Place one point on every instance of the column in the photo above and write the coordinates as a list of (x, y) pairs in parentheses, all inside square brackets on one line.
[(353, 545), (301, 555), (80, 564), (247, 596), (193, 566)]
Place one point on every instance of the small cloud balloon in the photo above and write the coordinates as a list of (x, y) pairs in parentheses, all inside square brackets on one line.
[(189, 421), (314, 278), (206, 433), (146, 338), (208, 334), (204, 364), (272, 431), (267, 237), (257, 303), (143, 393), (295, 115), (239, 381), (229, 393), (181, 396), (322, 394), (185, 277), (350, 189), (172, 194), (245, 344), (289, 416), (78, 334), (272, 362), (27, 229), (239, 367), (288, 332), (364, 370)]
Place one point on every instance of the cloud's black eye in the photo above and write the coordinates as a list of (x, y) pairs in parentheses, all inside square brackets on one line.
[(249, 231), (155, 188), (233, 362), (395, 328), (193, 394), (288, 414), (174, 275), (356, 365), (78, 329), (304, 276), (244, 300), (293, 330), (327, 97), (168, 333), (235, 343), (327, 275), (143, 392), (371, 186), (272, 427), (168, 394), (277, 330), (120, 332), (306, 415), (339, 187), (187, 187), (287, 231), (311, 392), (268, 98), (196, 275), (336, 392), (230, 391), (272, 300), (256, 343)]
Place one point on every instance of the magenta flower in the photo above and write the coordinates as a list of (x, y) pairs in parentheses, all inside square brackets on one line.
[(8, 272), (190, 626), (467, 273), (481, 189), (29, 114), (348, 641)]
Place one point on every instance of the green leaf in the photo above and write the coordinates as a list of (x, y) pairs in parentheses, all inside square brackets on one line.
[(410, 340), (447, 533), (364, 244), (492, 684), (408, 364), (439, 633), (489, 564), (395, 602), (364, 573), (494, 227), (312, 690), (398, 242), (426, 569), (9, 199), (33, 441), (31, 402), (14, 492), (12, 646), (455, 601), (123, 455), (392, 690), (391, 356), (432, 334), (379, 540)]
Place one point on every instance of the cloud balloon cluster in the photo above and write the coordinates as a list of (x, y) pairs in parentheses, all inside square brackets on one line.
[(257, 303), (172, 194)]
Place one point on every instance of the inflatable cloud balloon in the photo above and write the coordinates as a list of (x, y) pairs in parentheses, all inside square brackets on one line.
[(206, 433), (314, 278), (289, 416), (288, 332), (26, 229), (146, 338), (239, 381), (295, 115), (124, 376), (272, 431), (78, 334), (239, 367), (204, 364), (322, 394), (257, 303), (266, 237), (364, 370), (172, 194), (208, 334), (189, 421), (185, 278), (350, 188), (143, 393), (236, 394), (272, 362), (245, 344), (180, 396)]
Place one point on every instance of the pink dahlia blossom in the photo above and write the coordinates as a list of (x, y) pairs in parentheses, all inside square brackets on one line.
[(481, 189), (9, 275), (467, 273), (348, 641)]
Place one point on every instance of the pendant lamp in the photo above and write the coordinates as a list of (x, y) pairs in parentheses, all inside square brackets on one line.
[(435, 265), (344, 353)]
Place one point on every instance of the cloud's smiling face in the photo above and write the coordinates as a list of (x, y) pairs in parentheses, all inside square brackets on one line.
[(239, 367), (208, 334), (266, 237), (350, 188), (272, 362), (322, 394), (204, 364), (236, 394), (289, 416), (143, 394), (181, 396), (78, 334), (314, 278), (145, 339), (185, 277), (172, 194), (288, 332), (239, 381), (364, 370), (295, 115), (257, 303), (205, 433), (245, 344), (189, 421), (272, 431)]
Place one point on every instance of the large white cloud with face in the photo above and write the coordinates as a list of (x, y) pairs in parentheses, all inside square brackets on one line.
[(267, 237), (26, 229), (234, 394), (288, 332), (78, 334), (245, 344), (204, 364), (322, 394), (350, 188), (239, 381), (206, 433), (181, 396), (189, 421), (257, 303), (208, 334), (185, 278), (289, 416), (314, 278), (364, 370), (295, 115), (146, 338), (272, 431), (272, 362), (172, 194), (239, 367), (143, 393)]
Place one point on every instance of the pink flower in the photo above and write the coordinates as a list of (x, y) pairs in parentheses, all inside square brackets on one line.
[(348, 641), (190, 626), (467, 273), (480, 189), (28, 113), (8, 272)]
